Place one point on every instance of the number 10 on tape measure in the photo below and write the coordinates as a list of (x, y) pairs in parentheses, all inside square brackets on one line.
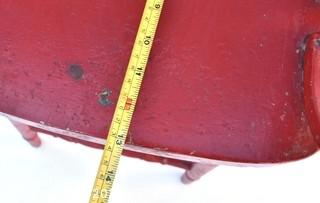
[(126, 103)]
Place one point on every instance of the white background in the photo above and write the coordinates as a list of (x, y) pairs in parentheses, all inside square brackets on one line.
[(60, 172)]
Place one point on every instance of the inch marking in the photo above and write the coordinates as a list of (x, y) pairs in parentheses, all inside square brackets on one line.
[(126, 102)]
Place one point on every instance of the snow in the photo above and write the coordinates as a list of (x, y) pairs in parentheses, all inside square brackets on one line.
[(61, 171)]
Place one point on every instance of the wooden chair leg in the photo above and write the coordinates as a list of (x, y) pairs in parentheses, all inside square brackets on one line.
[(196, 172), (28, 134)]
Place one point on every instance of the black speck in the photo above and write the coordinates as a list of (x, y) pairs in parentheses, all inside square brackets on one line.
[(317, 42), (76, 71), (103, 98)]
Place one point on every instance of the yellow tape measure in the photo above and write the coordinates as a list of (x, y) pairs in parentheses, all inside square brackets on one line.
[(126, 103)]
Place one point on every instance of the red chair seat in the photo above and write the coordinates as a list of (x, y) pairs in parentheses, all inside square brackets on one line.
[(224, 81)]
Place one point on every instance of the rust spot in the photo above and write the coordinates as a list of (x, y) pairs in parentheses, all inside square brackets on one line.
[(75, 71)]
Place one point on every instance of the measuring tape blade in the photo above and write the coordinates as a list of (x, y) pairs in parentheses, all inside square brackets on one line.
[(126, 102)]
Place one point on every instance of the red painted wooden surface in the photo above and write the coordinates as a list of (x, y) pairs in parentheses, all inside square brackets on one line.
[(225, 79), (312, 83)]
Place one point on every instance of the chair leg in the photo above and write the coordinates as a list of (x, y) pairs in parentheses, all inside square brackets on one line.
[(28, 134), (196, 172)]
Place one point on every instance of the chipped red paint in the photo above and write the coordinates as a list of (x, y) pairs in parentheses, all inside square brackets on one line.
[(225, 80)]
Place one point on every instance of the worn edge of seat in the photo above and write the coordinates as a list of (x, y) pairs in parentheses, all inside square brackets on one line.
[(133, 148)]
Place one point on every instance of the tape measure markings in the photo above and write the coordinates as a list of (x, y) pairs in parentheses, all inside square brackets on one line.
[(126, 102)]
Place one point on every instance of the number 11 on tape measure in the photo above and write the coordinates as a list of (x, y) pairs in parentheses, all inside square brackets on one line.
[(126, 103)]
